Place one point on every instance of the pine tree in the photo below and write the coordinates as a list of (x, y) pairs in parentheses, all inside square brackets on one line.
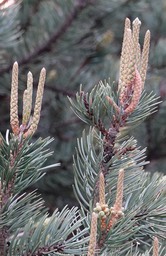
[(121, 208), (78, 42)]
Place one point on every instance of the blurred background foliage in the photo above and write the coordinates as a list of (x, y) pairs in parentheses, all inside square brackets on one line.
[(78, 42)]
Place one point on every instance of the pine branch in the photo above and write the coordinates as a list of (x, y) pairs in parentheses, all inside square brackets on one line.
[(10, 34), (20, 161), (107, 149), (122, 208), (46, 46), (60, 234)]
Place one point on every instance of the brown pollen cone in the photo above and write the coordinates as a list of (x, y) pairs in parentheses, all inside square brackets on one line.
[(14, 121)]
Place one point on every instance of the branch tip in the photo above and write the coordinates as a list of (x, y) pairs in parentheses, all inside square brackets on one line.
[(137, 21)]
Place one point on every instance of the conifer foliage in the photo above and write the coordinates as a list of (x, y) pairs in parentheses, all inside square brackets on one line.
[(122, 208)]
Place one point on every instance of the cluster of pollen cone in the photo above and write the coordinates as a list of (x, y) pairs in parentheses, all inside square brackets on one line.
[(133, 68), (107, 216), (29, 123)]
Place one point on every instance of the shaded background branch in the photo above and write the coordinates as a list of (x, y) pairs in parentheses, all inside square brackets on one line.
[(61, 36)]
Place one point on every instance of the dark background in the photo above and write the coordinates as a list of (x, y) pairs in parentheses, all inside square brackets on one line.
[(78, 42)]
